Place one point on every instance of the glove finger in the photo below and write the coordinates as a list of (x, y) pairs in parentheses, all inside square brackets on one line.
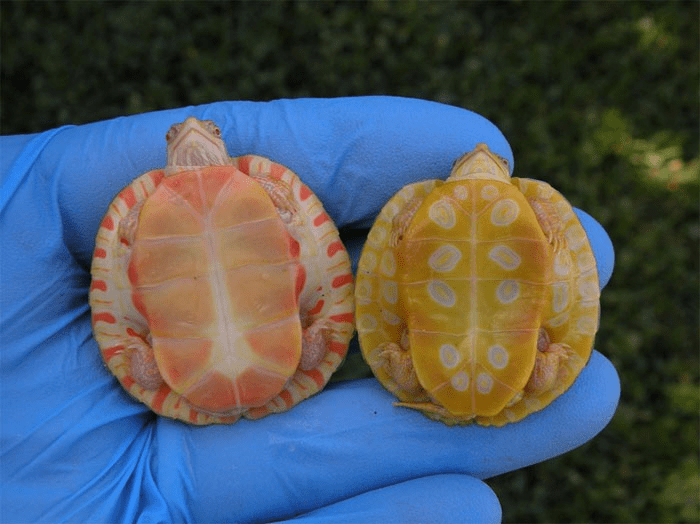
[(351, 439), (435, 499), (603, 250)]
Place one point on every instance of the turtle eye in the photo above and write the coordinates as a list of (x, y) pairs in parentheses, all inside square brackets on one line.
[(212, 127)]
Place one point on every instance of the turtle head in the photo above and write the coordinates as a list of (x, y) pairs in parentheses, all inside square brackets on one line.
[(480, 163), (196, 143)]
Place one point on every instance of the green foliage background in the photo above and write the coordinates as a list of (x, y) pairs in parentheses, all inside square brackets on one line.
[(598, 98)]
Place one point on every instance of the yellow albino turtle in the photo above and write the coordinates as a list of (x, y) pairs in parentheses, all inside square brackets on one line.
[(477, 298), (220, 286)]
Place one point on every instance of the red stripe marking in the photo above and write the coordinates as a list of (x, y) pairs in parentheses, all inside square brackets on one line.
[(244, 164), (132, 333), (316, 309), (103, 317), (124, 241), (193, 415), (108, 353), (108, 223), (157, 176), (98, 284), (100, 253), (304, 192), (345, 317), (320, 219), (342, 280), (128, 381), (334, 247), (277, 170), (301, 279), (338, 348), (128, 197), (287, 397), (317, 377), (294, 248), (160, 397)]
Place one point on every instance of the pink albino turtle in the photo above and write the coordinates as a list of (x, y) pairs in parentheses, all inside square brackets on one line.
[(220, 287)]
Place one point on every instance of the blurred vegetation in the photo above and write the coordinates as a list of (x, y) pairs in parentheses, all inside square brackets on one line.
[(598, 98)]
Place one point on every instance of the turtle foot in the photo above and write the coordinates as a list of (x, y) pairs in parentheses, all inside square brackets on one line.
[(314, 344), (398, 364), (144, 369), (548, 363)]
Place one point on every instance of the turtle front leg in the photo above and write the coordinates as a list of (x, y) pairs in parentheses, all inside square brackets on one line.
[(144, 369), (127, 225), (550, 222), (281, 195), (548, 363), (401, 221)]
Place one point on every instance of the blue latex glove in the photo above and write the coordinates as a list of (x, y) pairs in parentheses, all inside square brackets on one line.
[(76, 447)]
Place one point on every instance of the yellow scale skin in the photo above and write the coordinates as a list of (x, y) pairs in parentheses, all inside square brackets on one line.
[(471, 282)]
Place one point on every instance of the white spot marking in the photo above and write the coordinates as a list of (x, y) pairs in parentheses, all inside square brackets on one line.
[(587, 325), (441, 293), (562, 263), (390, 318), (449, 356), (544, 190), (505, 212), (560, 296), (443, 214), (367, 323), (460, 381), (368, 262), (505, 257), (507, 291), (391, 210), (576, 237), (484, 383), (364, 290), (377, 236), (444, 258), (489, 192), (460, 192), (388, 264), (585, 261), (390, 291), (498, 356), (588, 289)]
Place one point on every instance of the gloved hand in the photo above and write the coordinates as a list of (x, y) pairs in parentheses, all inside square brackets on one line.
[(76, 447)]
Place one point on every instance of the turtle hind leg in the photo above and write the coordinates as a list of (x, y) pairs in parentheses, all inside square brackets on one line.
[(548, 363), (144, 369), (314, 344), (398, 364)]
